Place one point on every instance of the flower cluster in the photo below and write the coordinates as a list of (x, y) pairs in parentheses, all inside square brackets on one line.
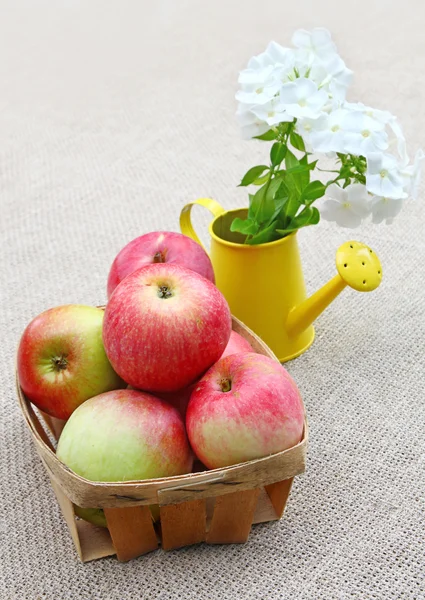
[(301, 91)]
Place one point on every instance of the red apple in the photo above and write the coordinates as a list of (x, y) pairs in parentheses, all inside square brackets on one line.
[(164, 326), (246, 406), (125, 435), (159, 247), (61, 359), (180, 399), (236, 345)]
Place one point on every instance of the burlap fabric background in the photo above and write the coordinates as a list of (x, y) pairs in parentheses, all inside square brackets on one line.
[(112, 116)]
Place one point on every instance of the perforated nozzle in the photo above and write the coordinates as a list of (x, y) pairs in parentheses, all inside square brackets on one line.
[(358, 266)]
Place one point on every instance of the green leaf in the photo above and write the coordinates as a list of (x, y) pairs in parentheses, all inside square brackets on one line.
[(261, 180), (268, 136), (315, 217), (245, 226), (266, 235), (282, 191), (253, 174), (274, 186), (304, 161), (287, 231), (297, 141), (300, 177), (279, 203), (308, 216), (255, 202), (283, 127), (300, 168), (345, 172), (263, 206), (291, 160), (277, 153), (314, 190)]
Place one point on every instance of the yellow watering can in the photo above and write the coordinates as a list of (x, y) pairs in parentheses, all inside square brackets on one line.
[(264, 284)]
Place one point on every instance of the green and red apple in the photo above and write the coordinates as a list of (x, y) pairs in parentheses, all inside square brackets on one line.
[(61, 359), (125, 435), (96, 516)]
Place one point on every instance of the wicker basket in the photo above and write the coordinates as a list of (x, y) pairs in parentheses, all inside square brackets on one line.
[(217, 506)]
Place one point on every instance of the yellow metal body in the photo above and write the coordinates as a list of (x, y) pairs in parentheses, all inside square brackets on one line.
[(264, 284)]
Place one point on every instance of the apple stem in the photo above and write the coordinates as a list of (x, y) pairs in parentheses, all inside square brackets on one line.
[(225, 384), (159, 257), (164, 292), (59, 363)]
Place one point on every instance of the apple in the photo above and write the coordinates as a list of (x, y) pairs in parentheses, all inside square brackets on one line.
[(245, 407), (96, 516), (236, 344), (159, 247), (125, 435), (180, 399), (61, 359), (164, 326)]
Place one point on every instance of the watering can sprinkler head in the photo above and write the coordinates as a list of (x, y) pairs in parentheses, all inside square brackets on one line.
[(358, 267)]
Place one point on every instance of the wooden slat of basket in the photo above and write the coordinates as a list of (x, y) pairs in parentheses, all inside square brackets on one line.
[(264, 511), (182, 524), (55, 425), (33, 422), (95, 542), (131, 530), (232, 518), (67, 509), (278, 493)]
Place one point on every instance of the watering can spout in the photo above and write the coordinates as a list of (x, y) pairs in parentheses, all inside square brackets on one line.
[(358, 267)]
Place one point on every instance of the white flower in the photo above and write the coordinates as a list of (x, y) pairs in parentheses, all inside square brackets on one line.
[(379, 115), (399, 140), (266, 69), (364, 134), (275, 54), (317, 43), (385, 209), (308, 80), (338, 78), (302, 98), (412, 175), (256, 77), (383, 176), (285, 73), (272, 113), (309, 127), (278, 55), (251, 125), (347, 207), (328, 134), (260, 90)]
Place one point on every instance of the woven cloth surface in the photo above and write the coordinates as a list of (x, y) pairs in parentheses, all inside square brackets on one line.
[(112, 116)]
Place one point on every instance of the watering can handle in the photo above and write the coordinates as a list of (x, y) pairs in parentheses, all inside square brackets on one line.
[(186, 226)]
